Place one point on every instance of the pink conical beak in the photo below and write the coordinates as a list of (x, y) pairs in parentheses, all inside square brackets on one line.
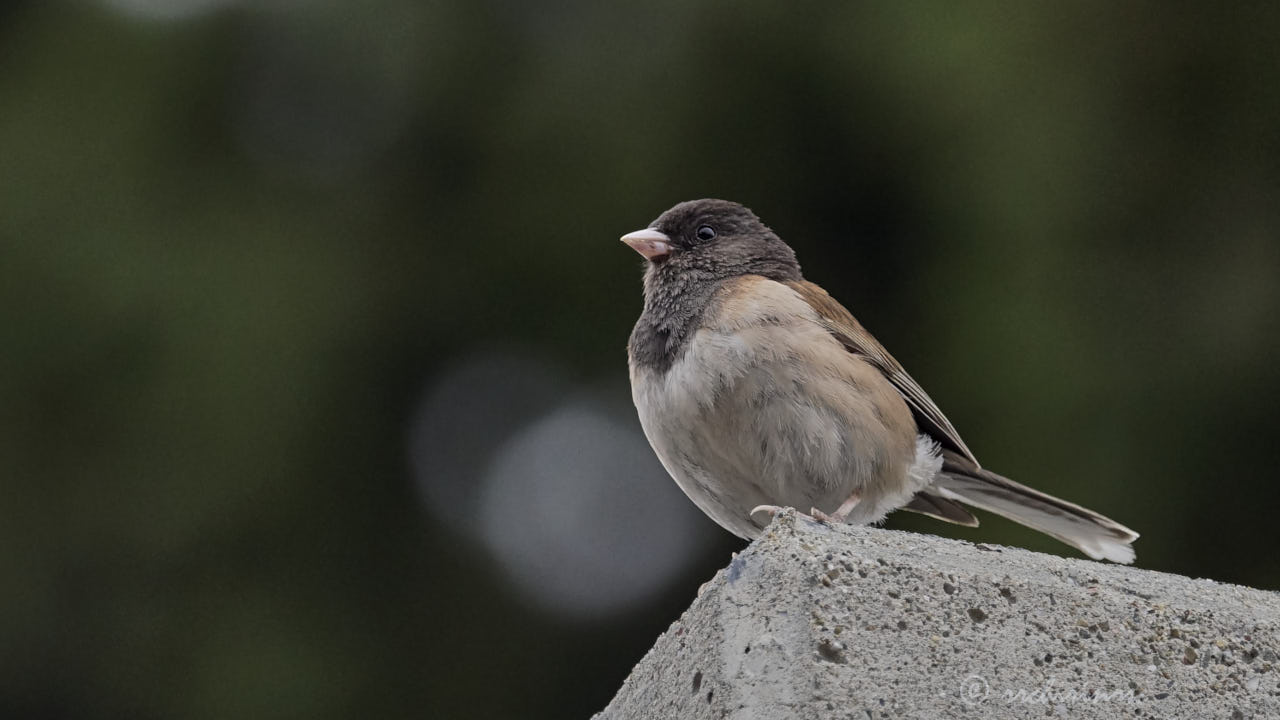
[(650, 243)]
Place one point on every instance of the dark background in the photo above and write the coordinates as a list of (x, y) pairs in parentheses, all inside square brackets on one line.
[(312, 315)]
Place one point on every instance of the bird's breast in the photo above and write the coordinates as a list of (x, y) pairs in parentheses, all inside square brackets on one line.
[(766, 407)]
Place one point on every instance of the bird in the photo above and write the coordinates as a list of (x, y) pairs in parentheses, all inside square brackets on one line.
[(759, 391)]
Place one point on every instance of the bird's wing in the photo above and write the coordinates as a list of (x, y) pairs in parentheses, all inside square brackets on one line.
[(855, 338)]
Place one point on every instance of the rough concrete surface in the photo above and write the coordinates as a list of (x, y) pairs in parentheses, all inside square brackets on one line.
[(813, 621)]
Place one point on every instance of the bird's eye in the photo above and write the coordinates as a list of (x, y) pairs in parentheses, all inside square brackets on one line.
[(706, 232)]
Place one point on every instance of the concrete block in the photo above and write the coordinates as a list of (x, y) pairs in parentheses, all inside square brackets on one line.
[(811, 621)]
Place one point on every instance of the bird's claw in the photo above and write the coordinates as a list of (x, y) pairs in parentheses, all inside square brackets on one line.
[(822, 517)]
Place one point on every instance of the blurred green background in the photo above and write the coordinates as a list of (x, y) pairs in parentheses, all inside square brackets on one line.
[(312, 315)]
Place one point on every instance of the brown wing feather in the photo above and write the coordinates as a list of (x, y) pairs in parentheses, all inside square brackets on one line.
[(936, 506), (855, 338)]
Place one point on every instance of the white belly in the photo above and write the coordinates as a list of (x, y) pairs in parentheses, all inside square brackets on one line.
[(768, 414)]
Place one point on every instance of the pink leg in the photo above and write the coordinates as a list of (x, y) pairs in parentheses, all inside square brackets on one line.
[(841, 512)]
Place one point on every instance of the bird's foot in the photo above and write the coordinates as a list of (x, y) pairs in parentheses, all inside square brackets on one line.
[(842, 512), (773, 510), (822, 517)]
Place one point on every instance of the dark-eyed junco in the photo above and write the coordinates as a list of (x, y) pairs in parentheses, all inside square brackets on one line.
[(757, 390)]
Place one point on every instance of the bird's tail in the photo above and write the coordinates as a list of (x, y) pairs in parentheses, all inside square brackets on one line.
[(1099, 537)]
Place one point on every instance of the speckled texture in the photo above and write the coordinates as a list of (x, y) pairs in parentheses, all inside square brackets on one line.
[(852, 622)]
